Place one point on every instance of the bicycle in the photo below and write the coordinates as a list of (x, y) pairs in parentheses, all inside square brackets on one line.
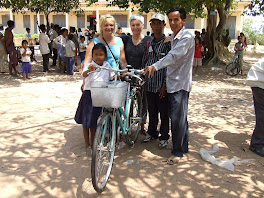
[(116, 120), (233, 68)]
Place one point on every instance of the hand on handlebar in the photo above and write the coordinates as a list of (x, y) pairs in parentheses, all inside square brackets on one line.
[(150, 70), (92, 67)]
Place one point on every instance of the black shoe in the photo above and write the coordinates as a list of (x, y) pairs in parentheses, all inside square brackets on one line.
[(258, 150)]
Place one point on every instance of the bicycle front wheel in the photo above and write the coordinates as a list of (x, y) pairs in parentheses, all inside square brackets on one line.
[(232, 69), (134, 118), (103, 152)]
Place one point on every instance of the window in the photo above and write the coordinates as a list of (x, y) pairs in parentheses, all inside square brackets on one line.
[(189, 24), (26, 21), (5, 18), (59, 19), (145, 21), (121, 20), (81, 21)]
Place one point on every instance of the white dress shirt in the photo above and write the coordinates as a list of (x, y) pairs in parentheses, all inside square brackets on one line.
[(81, 46), (27, 57), (70, 49), (60, 40), (179, 62), (102, 75), (53, 35), (43, 43), (255, 77), (28, 35)]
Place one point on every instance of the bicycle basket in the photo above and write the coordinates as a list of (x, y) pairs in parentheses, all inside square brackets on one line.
[(108, 94)]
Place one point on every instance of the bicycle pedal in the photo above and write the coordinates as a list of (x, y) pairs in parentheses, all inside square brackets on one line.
[(136, 119)]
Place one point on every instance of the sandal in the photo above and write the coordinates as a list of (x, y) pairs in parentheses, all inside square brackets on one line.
[(173, 160)]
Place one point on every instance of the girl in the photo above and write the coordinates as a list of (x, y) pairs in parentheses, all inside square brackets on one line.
[(26, 66), (69, 54), (82, 48), (86, 114), (198, 54)]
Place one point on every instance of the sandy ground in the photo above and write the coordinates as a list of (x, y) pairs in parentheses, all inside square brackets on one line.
[(42, 148)]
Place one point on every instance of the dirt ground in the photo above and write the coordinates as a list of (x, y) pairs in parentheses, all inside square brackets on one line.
[(42, 149)]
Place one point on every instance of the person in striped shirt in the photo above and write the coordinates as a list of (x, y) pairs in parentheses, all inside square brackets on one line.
[(156, 87)]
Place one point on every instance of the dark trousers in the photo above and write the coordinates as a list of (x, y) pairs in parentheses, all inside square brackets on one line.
[(157, 106), (82, 56), (178, 109), (45, 62), (55, 56), (257, 138), (70, 65)]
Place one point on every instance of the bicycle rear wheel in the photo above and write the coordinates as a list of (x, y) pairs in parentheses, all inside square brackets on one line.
[(103, 152), (134, 118), (232, 69)]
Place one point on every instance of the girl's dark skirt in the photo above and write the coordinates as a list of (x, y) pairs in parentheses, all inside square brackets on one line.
[(26, 68), (86, 114)]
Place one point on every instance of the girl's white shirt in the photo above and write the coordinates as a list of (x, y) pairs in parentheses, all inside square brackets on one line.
[(27, 57), (102, 75), (81, 46)]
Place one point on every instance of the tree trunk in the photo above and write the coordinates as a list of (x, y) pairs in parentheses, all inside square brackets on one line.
[(211, 36), (216, 50), (47, 20)]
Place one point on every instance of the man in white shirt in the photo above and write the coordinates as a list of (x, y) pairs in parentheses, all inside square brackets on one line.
[(53, 35), (28, 35), (179, 63), (60, 41), (44, 47), (255, 79), (70, 54)]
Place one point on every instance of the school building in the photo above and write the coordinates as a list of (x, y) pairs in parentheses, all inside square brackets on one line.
[(91, 15)]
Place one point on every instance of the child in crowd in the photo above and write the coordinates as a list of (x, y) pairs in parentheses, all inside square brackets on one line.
[(197, 61), (86, 114), (25, 58), (82, 48), (44, 47), (70, 54), (28, 35), (239, 51), (60, 41)]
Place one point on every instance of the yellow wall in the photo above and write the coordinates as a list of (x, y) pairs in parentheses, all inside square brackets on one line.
[(100, 8)]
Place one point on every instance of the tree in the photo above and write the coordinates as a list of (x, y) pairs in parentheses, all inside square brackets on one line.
[(255, 8), (200, 8), (41, 6)]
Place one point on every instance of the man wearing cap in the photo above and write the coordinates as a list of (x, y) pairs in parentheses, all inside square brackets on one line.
[(179, 63), (156, 87)]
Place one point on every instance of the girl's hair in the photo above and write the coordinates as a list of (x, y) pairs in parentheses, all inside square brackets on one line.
[(103, 20), (63, 30), (199, 39), (82, 37), (24, 41), (10, 23), (137, 17), (100, 46), (70, 36)]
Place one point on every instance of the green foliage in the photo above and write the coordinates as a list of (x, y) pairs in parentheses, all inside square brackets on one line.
[(255, 8), (24, 36), (41, 6), (253, 36)]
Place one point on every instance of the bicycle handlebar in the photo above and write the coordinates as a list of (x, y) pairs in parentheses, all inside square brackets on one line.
[(132, 72)]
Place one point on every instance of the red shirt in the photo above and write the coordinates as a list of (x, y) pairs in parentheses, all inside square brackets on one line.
[(198, 51)]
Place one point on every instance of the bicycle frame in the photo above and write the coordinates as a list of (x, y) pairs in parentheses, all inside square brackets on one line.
[(124, 112)]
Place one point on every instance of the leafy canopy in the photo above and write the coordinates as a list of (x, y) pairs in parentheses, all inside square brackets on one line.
[(46, 6)]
